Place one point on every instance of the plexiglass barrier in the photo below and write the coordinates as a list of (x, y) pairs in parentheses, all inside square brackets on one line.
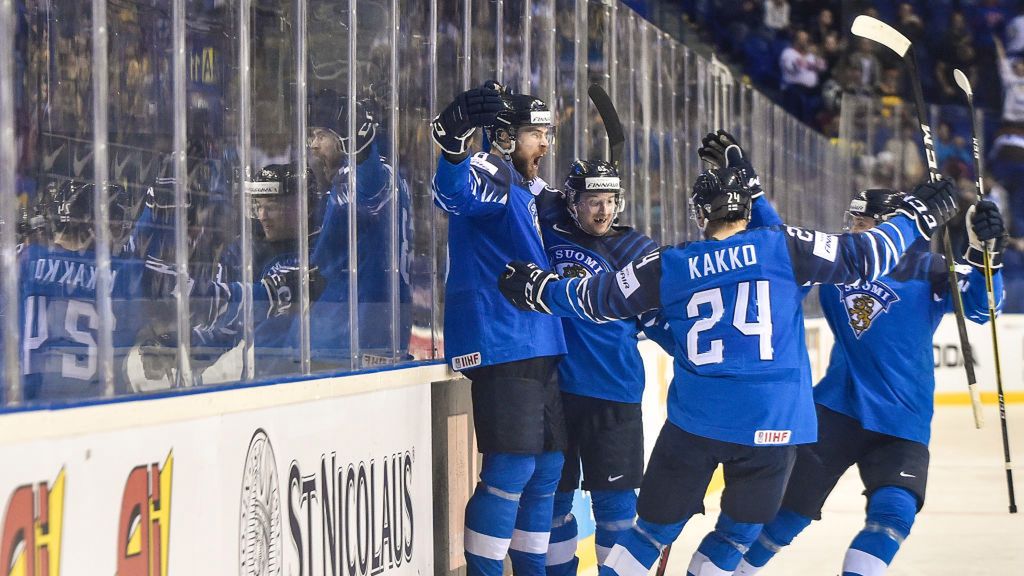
[(202, 192)]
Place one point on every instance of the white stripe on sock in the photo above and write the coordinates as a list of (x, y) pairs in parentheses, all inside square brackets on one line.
[(602, 554), (746, 569), (530, 542), (623, 563), (701, 565), (860, 562), (490, 547), (561, 552)]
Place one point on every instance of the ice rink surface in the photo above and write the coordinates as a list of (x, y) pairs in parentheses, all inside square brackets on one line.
[(964, 529)]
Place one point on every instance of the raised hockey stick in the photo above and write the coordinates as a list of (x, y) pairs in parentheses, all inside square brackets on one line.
[(612, 125), (878, 31), (663, 560), (965, 85)]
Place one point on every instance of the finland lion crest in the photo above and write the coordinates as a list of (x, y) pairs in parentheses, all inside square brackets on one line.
[(865, 302)]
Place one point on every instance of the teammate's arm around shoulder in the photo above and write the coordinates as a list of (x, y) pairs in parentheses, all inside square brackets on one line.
[(820, 258), (631, 291)]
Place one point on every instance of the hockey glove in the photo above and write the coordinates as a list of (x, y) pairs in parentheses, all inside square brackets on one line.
[(930, 205), (452, 128), (720, 150), (523, 284), (985, 232), (282, 286)]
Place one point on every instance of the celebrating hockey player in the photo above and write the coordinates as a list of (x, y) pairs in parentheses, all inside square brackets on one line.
[(602, 376), (741, 391), (329, 146), (509, 356), (875, 407), (59, 310)]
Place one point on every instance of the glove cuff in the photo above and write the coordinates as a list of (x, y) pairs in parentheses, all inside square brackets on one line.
[(975, 256)]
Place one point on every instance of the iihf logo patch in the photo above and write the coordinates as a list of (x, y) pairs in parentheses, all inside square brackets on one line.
[(864, 302)]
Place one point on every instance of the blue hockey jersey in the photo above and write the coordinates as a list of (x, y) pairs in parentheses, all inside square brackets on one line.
[(881, 370), (602, 360), (493, 220), (734, 309), (329, 333), (60, 321)]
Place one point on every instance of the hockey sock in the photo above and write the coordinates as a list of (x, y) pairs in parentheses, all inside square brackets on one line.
[(561, 559), (614, 513), (721, 550), (891, 513), (491, 512), (529, 545), (639, 548), (775, 534)]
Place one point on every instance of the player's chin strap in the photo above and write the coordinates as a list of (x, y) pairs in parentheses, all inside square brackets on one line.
[(491, 141)]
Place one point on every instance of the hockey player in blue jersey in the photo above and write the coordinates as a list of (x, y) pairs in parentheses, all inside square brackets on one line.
[(875, 401), (741, 391), (508, 355), (272, 194), (59, 315), (602, 376), (329, 146)]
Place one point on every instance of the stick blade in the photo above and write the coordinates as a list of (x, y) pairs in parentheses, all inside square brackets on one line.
[(878, 31), (962, 82), (612, 125)]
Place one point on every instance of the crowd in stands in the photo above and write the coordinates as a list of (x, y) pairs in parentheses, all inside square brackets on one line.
[(801, 52)]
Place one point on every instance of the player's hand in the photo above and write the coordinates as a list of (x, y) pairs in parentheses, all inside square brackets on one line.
[(282, 286), (930, 205), (985, 231), (523, 284), (721, 150), (452, 128)]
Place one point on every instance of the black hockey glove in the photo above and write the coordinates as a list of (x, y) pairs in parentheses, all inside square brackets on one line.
[(282, 286), (523, 284), (452, 128), (720, 150), (930, 205), (985, 232)]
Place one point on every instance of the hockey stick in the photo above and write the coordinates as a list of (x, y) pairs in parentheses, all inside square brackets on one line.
[(965, 85), (878, 31), (612, 125), (663, 560)]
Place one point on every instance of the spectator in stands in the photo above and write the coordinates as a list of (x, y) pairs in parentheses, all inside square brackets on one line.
[(903, 145), (951, 151), (801, 65), (864, 59), (1015, 34), (955, 50), (776, 17), (823, 27), (910, 23), (1008, 148)]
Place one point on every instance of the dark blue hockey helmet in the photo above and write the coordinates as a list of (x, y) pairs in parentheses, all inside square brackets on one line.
[(281, 182), (70, 211), (878, 204), (720, 194), (329, 110), (520, 111), (592, 176)]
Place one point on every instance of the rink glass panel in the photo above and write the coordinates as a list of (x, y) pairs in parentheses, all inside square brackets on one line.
[(177, 139)]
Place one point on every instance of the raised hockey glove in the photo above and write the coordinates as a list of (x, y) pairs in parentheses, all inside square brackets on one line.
[(282, 286), (523, 284), (452, 128), (930, 205), (721, 150), (985, 232)]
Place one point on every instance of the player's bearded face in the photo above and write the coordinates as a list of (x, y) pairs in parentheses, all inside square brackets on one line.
[(595, 212), (531, 145), (325, 145)]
